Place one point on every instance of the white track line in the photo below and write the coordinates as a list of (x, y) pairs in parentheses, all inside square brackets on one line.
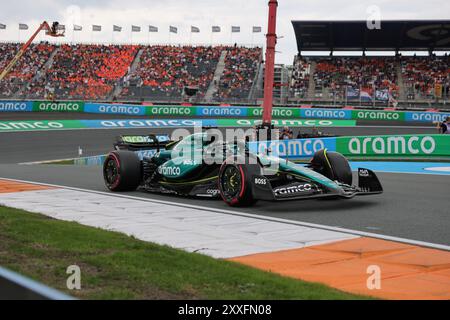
[(45, 161), (255, 216), (423, 173)]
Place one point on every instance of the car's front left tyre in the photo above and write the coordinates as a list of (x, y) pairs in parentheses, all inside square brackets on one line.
[(235, 184)]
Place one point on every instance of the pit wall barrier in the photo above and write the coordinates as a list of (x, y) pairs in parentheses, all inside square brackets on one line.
[(391, 146), (99, 160), (388, 146), (218, 111)]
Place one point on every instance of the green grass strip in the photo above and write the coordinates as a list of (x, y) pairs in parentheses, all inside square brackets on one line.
[(115, 266)]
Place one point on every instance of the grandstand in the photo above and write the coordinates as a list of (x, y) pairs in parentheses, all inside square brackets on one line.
[(162, 72), (234, 74), (371, 80), (129, 73)]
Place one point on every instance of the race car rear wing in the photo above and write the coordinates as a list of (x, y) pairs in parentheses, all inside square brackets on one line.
[(142, 142)]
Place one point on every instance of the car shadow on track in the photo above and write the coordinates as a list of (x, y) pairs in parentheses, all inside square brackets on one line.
[(315, 205), (267, 207)]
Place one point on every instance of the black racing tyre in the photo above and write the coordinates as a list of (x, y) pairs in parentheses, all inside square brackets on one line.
[(235, 182), (332, 165), (122, 171)]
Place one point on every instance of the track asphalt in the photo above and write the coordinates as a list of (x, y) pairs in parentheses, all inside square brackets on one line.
[(413, 206)]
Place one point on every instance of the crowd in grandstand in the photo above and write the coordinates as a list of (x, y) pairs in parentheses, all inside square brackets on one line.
[(164, 71), (25, 69), (88, 71), (420, 75), (91, 71), (241, 65), (161, 72), (300, 77), (335, 75)]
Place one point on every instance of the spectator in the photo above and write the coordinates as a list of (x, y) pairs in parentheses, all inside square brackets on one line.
[(87, 71), (300, 77), (25, 69), (444, 126), (164, 71), (421, 74), (286, 133), (241, 65)]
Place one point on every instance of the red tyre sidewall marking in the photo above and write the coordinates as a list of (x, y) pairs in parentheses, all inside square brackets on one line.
[(234, 200), (116, 159), (242, 182)]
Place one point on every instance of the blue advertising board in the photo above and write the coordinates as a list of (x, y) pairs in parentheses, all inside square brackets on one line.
[(101, 108), (16, 106), (314, 113)]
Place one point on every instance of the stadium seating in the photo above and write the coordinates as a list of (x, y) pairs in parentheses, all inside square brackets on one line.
[(88, 71), (420, 74), (333, 75), (25, 69), (161, 72), (300, 77), (241, 65), (164, 71), (336, 73)]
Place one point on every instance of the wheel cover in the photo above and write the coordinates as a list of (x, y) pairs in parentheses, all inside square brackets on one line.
[(111, 172), (231, 182)]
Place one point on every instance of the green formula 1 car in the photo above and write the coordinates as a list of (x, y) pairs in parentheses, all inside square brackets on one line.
[(198, 166)]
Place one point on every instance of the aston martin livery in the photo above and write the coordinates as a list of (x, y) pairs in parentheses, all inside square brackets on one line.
[(201, 166)]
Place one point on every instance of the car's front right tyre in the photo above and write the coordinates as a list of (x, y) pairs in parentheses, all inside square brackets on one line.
[(332, 165)]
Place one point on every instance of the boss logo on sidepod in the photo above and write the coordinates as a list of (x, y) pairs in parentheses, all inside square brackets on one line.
[(260, 181)]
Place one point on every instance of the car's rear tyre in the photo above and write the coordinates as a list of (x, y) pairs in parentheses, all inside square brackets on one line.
[(122, 171), (235, 184), (332, 165)]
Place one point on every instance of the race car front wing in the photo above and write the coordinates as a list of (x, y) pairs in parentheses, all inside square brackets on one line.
[(368, 184)]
